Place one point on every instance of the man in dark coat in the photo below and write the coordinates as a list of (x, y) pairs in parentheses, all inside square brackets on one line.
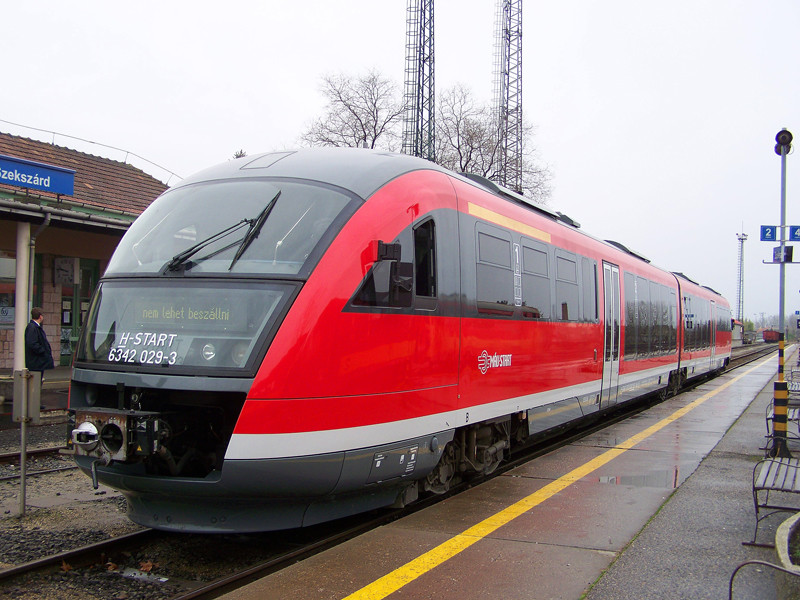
[(38, 355)]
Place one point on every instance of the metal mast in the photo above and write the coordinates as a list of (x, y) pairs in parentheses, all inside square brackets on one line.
[(742, 237), (508, 92), (418, 97)]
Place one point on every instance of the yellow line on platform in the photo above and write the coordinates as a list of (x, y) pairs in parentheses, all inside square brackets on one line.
[(401, 576)]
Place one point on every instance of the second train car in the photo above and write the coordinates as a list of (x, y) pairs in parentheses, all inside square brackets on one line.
[(294, 337)]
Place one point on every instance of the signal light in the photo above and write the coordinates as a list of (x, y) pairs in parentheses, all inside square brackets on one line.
[(784, 141)]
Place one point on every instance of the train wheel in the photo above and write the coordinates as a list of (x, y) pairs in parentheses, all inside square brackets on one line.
[(673, 386), (438, 481)]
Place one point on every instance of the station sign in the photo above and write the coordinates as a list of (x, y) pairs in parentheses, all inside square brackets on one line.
[(38, 176), (769, 233), (785, 257)]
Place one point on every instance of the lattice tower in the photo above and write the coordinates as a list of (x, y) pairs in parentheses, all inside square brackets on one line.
[(419, 93), (508, 91), (740, 288)]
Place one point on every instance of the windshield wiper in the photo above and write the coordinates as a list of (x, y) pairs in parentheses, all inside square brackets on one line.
[(255, 228), (185, 255)]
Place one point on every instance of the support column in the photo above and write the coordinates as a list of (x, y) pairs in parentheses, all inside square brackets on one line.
[(780, 410), (21, 314)]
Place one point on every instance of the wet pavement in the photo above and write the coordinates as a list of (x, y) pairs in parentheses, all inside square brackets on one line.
[(665, 518)]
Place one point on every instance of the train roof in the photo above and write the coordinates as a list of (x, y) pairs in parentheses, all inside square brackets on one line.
[(359, 170), (700, 286)]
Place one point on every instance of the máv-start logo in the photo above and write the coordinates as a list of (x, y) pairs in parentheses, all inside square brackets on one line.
[(488, 361)]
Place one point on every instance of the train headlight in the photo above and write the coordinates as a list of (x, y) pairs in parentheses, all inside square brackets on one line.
[(86, 436), (209, 352), (239, 353)]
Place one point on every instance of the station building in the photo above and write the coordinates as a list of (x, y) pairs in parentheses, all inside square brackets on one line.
[(62, 213)]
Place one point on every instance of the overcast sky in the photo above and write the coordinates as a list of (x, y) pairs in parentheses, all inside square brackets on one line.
[(657, 119)]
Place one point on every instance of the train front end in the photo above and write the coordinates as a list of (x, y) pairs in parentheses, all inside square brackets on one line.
[(175, 336)]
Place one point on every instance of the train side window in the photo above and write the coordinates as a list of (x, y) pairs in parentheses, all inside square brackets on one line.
[(723, 319), (631, 321), (655, 319), (666, 320), (643, 301), (688, 325), (535, 280), (425, 259), (567, 294), (381, 288), (589, 275), (673, 321), (494, 250), (495, 278), (699, 324)]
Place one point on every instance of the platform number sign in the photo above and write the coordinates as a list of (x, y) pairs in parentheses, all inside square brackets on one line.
[(769, 233)]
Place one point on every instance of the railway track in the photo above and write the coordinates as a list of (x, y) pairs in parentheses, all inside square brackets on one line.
[(10, 457), (743, 355), (79, 556), (262, 554)]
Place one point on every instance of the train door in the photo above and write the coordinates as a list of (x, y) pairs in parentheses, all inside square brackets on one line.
[(611, 320)]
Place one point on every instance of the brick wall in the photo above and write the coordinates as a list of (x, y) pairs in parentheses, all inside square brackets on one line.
[(6, 348), (51, 305)]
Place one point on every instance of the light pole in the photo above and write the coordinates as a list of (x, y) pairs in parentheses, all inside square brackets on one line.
[(783, 144), (780, 401)]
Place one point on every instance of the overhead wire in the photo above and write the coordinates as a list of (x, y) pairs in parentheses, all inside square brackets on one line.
[(127, 152)]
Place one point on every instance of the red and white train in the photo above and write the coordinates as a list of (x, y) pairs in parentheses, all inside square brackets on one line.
[(294, 337)]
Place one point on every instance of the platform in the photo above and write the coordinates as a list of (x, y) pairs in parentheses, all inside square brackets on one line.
[(654, 507), (55, 391)]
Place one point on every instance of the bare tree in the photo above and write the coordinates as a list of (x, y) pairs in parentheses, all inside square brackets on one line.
[(365, 112), (239, 154), (466, 138), (362, 112), (536, 177), (468, 141)]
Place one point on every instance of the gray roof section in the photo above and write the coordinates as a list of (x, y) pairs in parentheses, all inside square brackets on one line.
[(360, 171)]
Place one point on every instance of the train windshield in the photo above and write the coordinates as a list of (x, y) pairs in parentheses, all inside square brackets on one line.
[(167, 325), (240, 227)]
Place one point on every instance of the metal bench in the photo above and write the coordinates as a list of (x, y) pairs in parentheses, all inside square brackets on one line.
[(771, 477), (793, 411), (792, 416)]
